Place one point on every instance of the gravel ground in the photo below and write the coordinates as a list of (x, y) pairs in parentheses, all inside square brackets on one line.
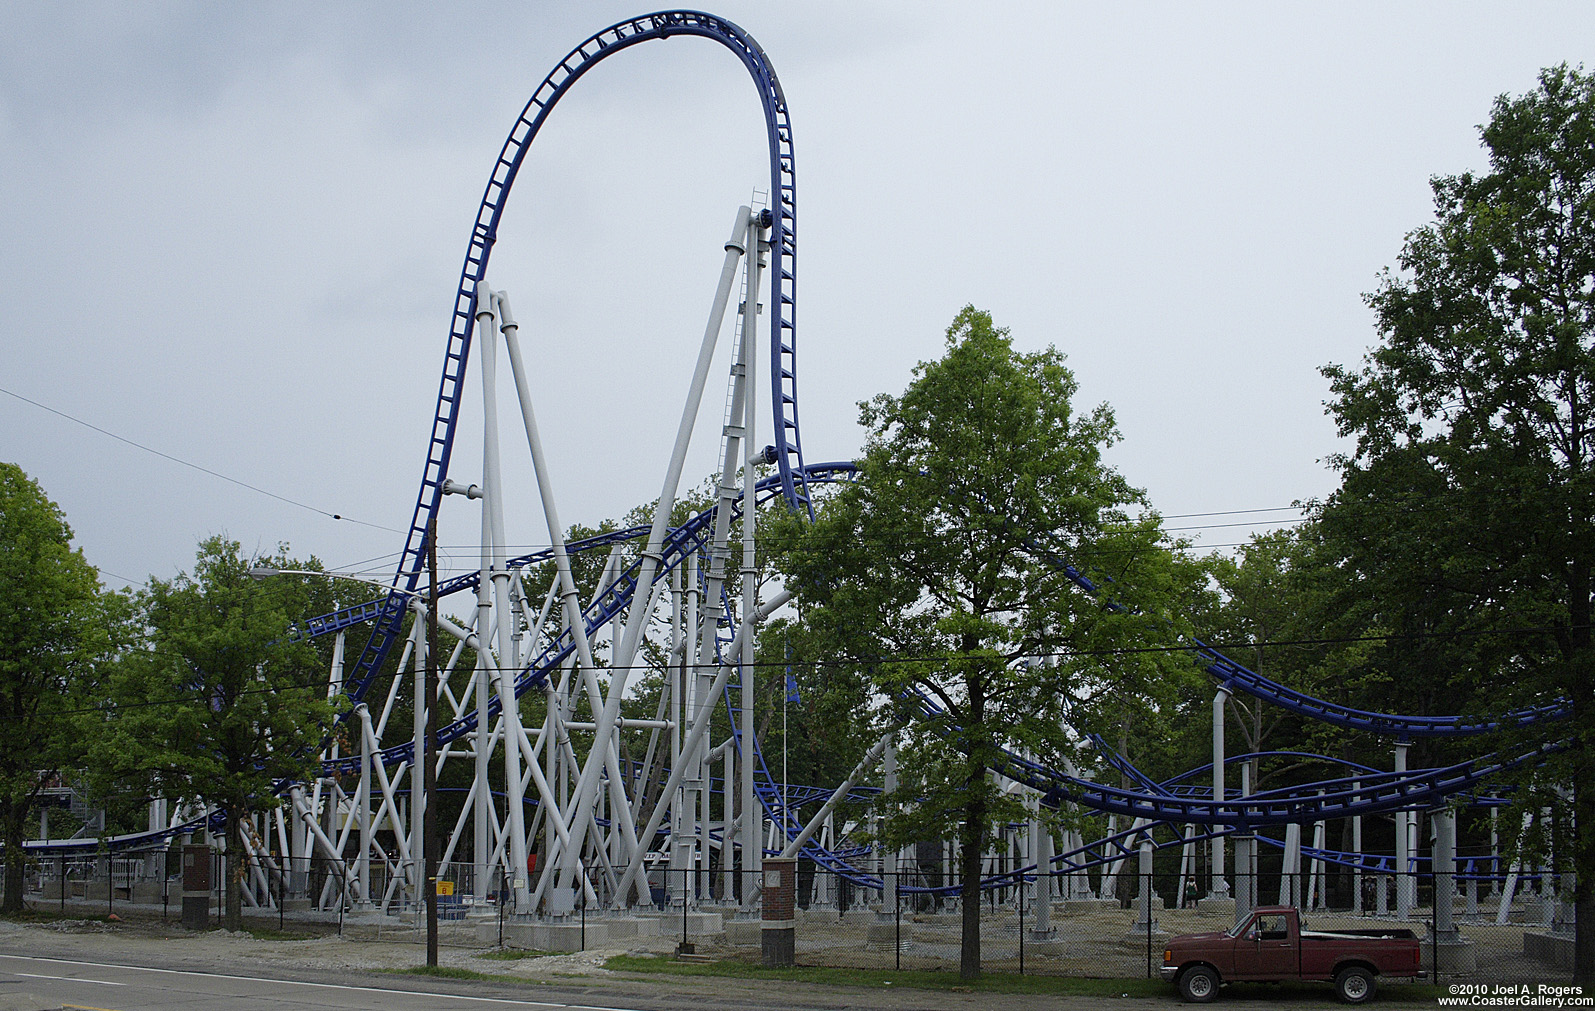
[(142, 939)]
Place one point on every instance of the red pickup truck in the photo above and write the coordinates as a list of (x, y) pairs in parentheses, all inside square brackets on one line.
[(1271, 945)]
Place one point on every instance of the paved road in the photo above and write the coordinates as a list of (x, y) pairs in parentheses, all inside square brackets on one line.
[(108, 986)]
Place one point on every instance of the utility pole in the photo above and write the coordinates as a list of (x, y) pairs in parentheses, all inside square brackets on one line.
[(429, 784)]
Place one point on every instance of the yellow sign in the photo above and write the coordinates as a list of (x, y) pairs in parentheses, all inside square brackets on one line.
[(445, 888)]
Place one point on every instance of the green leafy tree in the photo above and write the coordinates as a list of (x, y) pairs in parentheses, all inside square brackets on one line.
[(1470, 496), (54, 635), (938, 575), (223, 704)]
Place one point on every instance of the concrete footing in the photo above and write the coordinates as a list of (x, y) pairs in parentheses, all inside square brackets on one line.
[(1084, 905), (743, 932), (1552, 949), (1458, 955), (881, 934), (543, 936), (631, 926), (1136, 937)]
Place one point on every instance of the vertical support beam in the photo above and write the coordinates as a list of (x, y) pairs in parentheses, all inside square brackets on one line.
[(1218, 887), (363, 803), (429, 823), (1406, 846), (1041, 856), (1444, 854), (487, 325), (1356, 847), (728, 827), (1144, 920), (1245, 880), (1290, 868), (413, 873), (749, 834), (1316, 898)]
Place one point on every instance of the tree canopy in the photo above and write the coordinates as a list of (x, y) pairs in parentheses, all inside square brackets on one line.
[(1467, 508), (54, 629), (223, 703), (942, 575)]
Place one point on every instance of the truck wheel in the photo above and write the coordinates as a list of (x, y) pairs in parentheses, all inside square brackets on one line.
[(1354, 984), (1199, 984)]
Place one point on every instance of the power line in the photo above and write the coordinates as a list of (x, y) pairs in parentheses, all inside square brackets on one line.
[(1230, 512), (195, 466)]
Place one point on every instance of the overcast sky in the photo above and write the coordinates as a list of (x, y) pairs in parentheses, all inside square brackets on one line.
[(232, 233)]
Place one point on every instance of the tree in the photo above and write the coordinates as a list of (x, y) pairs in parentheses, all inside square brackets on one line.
[(1474, 420), (223, 704), (939, 575), (53, 633)]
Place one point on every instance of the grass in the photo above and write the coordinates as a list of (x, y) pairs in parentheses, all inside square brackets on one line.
[(513, 954), (998, 982), (273, 934)]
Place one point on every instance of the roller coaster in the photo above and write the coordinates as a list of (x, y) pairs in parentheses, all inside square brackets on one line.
[(675, 598)]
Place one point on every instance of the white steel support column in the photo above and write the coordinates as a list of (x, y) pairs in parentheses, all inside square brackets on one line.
[(418, 665), (1145, 921), (481, 795), (602, 755), (1356, 847), (487, 326), (750, 833), (1406, 830), (728, 827), (1444, 856), (1218, 887), (1316, 897), (1290, 893), (363, 800), (1041, 856)]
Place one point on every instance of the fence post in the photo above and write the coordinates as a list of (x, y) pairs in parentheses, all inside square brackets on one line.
[(110, 886), (897, 908), (1022, 923), (1434, 925), (62, 859), (1146, 885)]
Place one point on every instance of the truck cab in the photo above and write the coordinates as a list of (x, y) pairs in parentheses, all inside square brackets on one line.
[(1272, 945)]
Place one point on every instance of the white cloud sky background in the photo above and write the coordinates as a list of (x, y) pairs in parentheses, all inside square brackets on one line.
[(233, 233)]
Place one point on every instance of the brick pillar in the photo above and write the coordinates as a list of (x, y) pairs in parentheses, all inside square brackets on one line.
[(779, 918), (196, 887)]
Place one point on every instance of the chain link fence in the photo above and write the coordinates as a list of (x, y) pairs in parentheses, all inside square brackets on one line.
[(1056, 924), (913, 924)]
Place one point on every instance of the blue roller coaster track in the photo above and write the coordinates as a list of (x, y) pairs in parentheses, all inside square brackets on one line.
[(1177, 801)]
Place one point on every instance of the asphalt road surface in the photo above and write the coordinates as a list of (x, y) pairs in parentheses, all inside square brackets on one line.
[(107, 986)]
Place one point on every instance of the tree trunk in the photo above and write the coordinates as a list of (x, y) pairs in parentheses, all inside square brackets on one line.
[(232, 881), (969, 882), (1582, 695), (13, 827), (1583, 891), (973, 834)]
